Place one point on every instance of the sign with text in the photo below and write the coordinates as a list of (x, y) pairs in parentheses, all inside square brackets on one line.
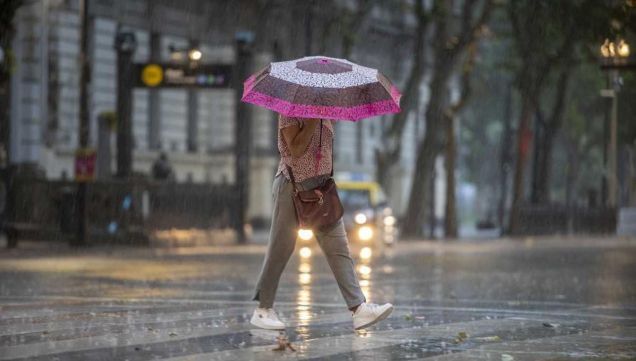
[(155, 75)]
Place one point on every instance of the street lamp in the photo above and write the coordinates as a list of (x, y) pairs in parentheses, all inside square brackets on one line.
[(623, 49), (615, 51), (125, 45), (125, 42), (193, 54), (614, 56)]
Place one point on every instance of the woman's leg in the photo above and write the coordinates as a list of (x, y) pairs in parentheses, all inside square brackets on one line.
[(282, 240), (335, 246)]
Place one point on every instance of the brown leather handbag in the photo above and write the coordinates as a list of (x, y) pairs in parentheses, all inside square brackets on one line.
[(319, 207)]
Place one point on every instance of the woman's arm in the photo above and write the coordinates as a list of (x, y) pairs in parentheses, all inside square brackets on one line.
[(298, 138)]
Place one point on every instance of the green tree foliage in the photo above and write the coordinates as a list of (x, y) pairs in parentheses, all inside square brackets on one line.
[(451, 38), (564, 42)]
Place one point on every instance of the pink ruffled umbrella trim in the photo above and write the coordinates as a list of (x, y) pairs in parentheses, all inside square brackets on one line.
[(314, 111), (248, 85), (395, 94)]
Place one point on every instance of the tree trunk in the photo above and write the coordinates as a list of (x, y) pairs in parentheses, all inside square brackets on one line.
[(8, 8), (432, 218), (446, 54), (418, 200), (426, 153), (537, 147), (544, 167), (450, 218), (524, 137), (388, 156), (505, 160), (545, 140), (571, 174)]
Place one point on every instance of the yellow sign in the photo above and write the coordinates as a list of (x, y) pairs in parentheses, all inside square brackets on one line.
[(152, 75)]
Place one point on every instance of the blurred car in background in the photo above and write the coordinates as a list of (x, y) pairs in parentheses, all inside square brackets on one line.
[(369, 221)]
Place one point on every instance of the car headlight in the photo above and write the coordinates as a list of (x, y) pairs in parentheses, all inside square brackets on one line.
[(365, 233), (365, 253), (360, 218), (305, 234)]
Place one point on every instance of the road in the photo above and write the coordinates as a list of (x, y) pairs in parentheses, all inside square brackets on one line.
[(527, 299)]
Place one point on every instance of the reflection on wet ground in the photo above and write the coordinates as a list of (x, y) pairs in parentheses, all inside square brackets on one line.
[(556, 299)]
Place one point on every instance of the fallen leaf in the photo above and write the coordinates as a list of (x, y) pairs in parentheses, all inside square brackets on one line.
[(489, 338), (461, 337), (283, 344)]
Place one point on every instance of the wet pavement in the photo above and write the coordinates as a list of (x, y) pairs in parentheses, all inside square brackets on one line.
[(532, 299)]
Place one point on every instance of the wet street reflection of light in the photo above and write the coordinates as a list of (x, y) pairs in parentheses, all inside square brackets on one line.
[(364, 271), (304, 278), (365, 253), (304, 297), (365, 283), (304, 313), (305, 252), (304, 268), (366, 290)]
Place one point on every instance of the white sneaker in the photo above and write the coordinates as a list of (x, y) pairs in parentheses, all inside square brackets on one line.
[(369, 314), (266, 318)]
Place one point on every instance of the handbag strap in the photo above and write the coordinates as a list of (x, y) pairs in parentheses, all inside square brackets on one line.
[(319, 153), (331, 174), (289, 170)]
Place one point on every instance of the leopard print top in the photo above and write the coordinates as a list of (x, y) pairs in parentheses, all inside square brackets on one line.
[(307, 165)]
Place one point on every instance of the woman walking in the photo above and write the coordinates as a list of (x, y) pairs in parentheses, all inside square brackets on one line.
[(306, 148)]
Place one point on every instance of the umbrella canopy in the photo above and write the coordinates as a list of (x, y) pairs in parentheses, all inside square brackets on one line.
[(322, 87)]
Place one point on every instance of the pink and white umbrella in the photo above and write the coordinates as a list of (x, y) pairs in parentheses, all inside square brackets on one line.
[(322, 87)]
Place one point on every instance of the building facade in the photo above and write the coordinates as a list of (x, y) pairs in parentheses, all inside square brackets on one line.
[(195, 128)]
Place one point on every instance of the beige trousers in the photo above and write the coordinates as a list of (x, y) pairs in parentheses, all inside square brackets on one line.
[(282, 241)]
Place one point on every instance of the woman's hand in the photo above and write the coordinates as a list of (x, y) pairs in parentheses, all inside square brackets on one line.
[(298, 138)]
